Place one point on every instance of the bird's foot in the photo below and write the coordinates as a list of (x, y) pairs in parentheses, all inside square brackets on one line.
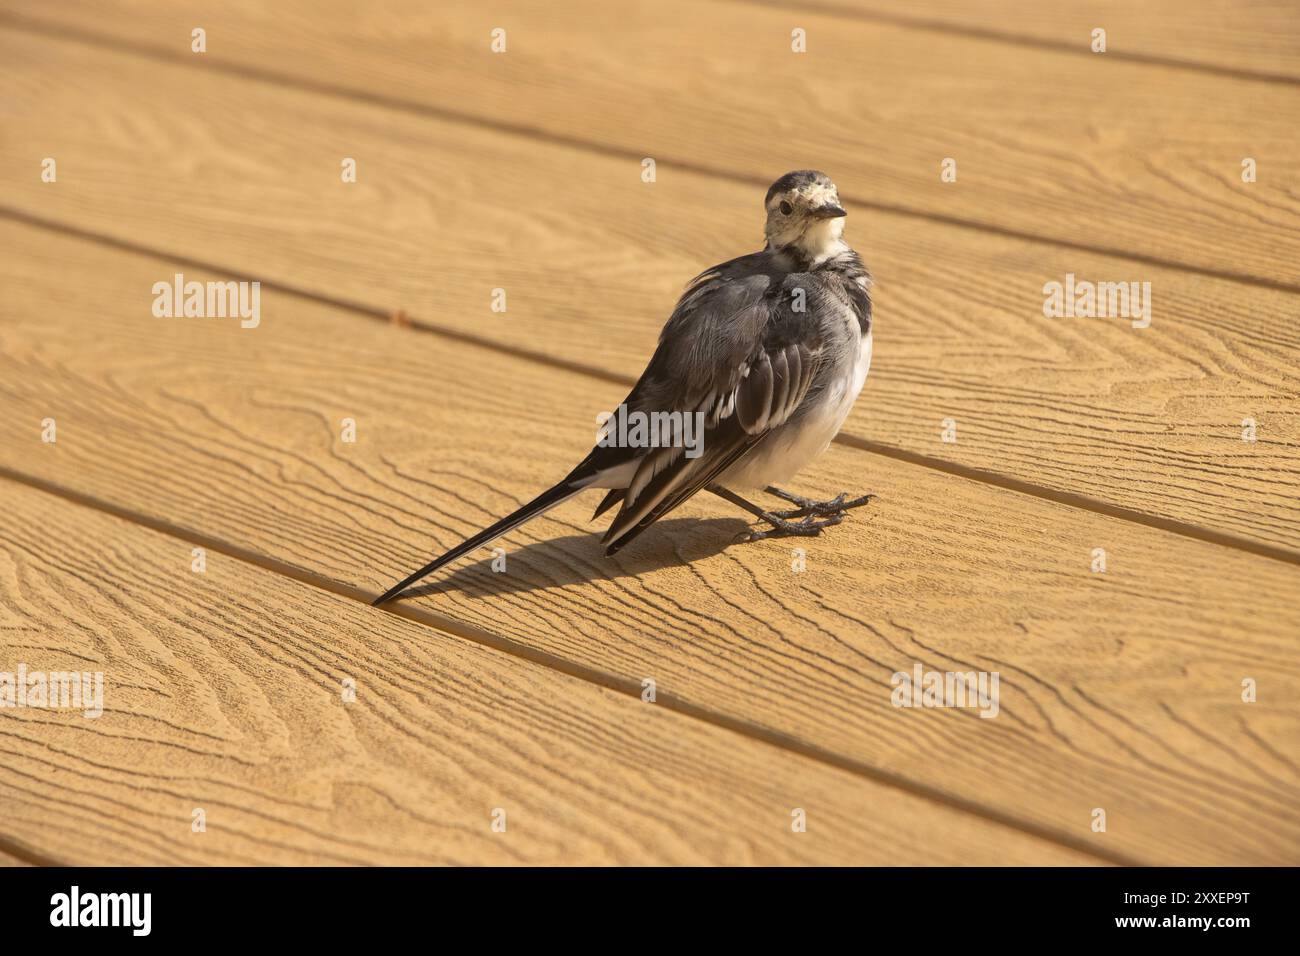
[(809, 527), (834, 507)]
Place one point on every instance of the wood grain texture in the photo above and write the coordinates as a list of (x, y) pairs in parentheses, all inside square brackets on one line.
[(1119, 690), (246, 177), (223, 691), (1253, 37), (7, 860), (1092, 151)]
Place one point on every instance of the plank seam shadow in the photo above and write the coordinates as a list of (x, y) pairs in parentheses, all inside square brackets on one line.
[(424, 110), (982, 476), (20, 851), (628, 687), (927, 25)]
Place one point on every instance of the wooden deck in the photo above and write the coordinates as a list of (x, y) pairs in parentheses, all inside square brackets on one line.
[(520, 695)]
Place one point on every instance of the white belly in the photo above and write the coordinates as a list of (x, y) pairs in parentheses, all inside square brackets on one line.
[(784, 454)]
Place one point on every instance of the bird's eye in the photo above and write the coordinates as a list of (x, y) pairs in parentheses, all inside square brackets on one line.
[(786, 208)]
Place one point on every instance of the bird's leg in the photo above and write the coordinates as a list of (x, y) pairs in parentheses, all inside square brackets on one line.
[(781, 528), (807, 506), (793, 499)]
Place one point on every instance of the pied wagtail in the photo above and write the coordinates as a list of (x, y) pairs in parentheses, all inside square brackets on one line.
[(770, 349)]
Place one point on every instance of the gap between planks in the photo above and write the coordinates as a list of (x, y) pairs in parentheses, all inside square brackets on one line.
[(982, 476), (625, 686), (322, 87)]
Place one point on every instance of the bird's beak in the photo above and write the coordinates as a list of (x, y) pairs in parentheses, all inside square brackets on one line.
[(831, 211)]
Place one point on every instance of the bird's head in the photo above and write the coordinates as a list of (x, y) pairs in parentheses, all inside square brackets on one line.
[(804, 212)]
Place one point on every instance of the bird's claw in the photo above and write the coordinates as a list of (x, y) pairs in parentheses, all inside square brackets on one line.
[(809, 527), (815, 515), (822, 509)]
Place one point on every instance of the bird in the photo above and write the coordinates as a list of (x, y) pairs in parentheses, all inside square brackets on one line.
[(764, 354)]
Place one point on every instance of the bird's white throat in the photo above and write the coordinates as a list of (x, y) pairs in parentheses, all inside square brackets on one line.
[(821, 240)]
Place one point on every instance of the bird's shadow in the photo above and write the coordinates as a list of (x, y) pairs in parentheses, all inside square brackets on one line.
[(580, 558)]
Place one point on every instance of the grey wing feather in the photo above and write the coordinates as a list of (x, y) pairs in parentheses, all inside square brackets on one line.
[(745, 363), (754, 400), (676, 479)]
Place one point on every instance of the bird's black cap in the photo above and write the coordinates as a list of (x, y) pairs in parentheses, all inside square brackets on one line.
[(793, 180)]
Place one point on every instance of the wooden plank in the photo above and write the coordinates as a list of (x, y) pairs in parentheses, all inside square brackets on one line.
[(8, 860), (246, 177), (1120, 690), (1087, 151), (224, 691), (1252, 37)]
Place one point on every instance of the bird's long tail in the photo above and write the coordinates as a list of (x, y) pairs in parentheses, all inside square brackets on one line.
[(540, 505)]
